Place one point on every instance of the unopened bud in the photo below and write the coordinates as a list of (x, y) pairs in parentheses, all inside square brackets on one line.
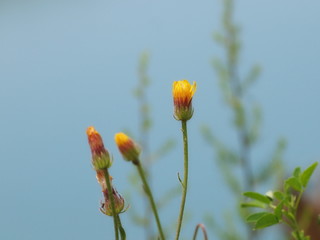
[(100, 156), (183, 92), (128, 148), (118, 203)]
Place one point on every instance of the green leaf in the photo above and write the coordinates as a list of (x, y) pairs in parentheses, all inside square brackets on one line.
[(257, 196), (296, 172), (253, 204), (266, 221), (290, 216), (294, 183), (255, 216), (279, 195), (278, 209), (306, 174)]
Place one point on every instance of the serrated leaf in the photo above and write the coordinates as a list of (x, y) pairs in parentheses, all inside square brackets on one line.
[(257, 196), (306, 174), (255, 204), (266, 221), (294, 183), (255, 216)]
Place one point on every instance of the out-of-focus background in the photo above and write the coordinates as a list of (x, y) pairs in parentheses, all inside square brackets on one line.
[(66, 65)]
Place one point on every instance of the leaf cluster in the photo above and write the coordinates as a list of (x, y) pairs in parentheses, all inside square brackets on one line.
[(281, 206)]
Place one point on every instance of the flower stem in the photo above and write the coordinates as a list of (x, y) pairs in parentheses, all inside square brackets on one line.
[(121, 229), (113, 209), (149, 194), (185, 176)]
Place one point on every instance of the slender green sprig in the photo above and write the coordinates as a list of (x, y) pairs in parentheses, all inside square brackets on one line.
[(149, 194), (281, 206), (113, 209), (145, 124), (185, 176)]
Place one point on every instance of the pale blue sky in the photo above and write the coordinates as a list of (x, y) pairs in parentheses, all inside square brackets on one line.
[(65, 65)]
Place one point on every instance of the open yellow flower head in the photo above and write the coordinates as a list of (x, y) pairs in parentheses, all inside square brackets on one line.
[(183, 92), (100, 156), (128, 148)]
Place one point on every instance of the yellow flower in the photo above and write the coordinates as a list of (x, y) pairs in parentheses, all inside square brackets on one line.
[(100, 156), (128, 148), (183, 92)]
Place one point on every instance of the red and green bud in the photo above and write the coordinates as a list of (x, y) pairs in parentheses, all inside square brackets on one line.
[(128, 148), (182, 92), (100, 156)]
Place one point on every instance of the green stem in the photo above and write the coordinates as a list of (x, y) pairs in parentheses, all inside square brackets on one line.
[(149, 194), (297, 229), (185, 176), (298, 201), (113, 209), (121, 229)]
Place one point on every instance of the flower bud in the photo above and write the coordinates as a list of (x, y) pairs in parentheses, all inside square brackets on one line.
[(128, 148), (118, 203), (183, 92), (100, 156)]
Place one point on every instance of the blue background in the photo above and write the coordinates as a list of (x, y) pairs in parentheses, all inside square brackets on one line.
[(66, 65)]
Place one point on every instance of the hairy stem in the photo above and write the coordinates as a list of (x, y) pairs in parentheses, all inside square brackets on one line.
[(185, 177)]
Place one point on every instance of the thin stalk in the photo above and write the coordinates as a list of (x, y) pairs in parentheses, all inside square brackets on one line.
[(245, 160), (296, 229), (298, 234), (121, 229), (203, 228), (113, 209), (297, 202), (185, 176), (149, 194)]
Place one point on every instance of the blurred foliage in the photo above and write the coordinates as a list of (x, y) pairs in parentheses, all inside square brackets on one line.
[(247, 117), (148, 157), (282, 206)]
